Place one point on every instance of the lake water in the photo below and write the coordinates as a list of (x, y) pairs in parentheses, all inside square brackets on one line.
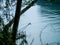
[(45, 25)]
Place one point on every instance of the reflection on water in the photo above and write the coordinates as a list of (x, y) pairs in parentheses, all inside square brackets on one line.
[(41, 17)]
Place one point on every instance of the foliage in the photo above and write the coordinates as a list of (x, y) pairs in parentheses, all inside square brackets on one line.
[(5, 16)]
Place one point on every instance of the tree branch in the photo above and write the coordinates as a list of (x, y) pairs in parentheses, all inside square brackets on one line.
[(23, 11), (16, 20)]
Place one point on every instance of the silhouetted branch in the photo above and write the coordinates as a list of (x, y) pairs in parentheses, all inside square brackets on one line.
[(21, 36), (16, 20), (25, 9)]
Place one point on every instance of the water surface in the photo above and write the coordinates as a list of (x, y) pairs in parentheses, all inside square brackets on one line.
[(42, 19)]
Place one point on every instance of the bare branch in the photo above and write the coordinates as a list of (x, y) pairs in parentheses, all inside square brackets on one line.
[(25, 9), (16, 20)]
